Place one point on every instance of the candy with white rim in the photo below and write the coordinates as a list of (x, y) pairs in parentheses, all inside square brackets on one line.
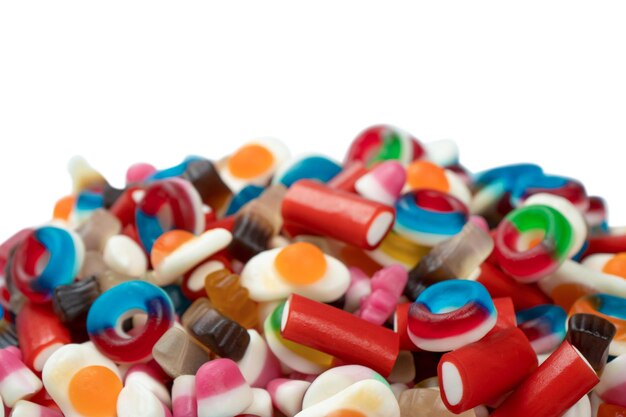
[(82, 381), (299, 268), (137, 400), (258, 364), (221, 389), (29, 409), (287, 395)]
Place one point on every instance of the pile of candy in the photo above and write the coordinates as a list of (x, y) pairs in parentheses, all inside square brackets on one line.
[(395, 284)]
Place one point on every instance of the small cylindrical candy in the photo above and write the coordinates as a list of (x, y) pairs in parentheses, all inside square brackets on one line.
[(106, 311), (17, 382), (400, 326), (592, 336), (505, 357), (40, 333), (340, 334), (611, 410), (29, 409), (451, 314), (218, 333), (544, 326), (499, 284), (177, 353), (553, 388), (221, 389), (315, 208), (612, 386), (184, 402), (348, 177)]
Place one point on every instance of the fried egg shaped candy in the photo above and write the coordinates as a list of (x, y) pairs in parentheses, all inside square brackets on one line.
[(82, 382), (253, 163), (300, 268), (176, 252)]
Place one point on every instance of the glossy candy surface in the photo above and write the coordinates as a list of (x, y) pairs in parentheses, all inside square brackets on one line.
[(62, 253), (428, 217), (451, 314), (104, 322)]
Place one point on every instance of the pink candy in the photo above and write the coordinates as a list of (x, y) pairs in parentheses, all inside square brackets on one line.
[(387, 285), (221, 389), (383, 183)]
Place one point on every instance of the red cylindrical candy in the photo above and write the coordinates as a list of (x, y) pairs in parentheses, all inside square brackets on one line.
[(346, 179), (314, 208), (482, 371), (499, 284), (553, 388), (400, 326), (340, 334), (506, 314), (39, 332)]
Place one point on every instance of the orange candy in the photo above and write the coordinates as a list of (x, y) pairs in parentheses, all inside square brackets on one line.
[(250, 161), (167, 243), (93, 391), (616, 265), (610, 410), (301, 263), (345, 413), (63, 208), (230, 298), (426, 175)]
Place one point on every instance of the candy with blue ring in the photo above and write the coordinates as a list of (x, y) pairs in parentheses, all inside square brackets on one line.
[(544, 326), (451, 314), (108, 312), (314, 167), (175, 171), (531, 184), (428, 216), (65, 251), (171, 203)]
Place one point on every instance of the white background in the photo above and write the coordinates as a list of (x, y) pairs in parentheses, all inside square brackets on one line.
[(121, 82)]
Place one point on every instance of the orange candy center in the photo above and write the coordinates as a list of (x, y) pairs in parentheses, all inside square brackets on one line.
[(301, 263), (345, 413), (63, 208), (167, 243), (616, 265), (93, 391), (426, 175), (250, 161)]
